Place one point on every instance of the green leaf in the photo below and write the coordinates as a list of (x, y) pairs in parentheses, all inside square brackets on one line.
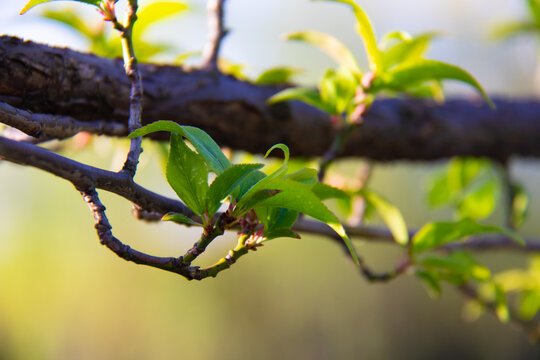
[(390, 215), (201, 141), (71, 19), (365, 29), (187, 174), (306, 176), (520, 205), (501, 305), (296, 196), (179, 219), (247, 184), (33, 3), (436, 234), (400, 36), (155, 12), (207, 148), (529, 304), (479, 202), (245, 199), (276, 218), (462, 171), (331, 46), (406, 51), (534, 8), (439, 192), (161, 125), (324, 192), (307, 95), (277, 75), (225, 183), (514, 28), (279, 233), (337, 90), (421, 70), (249, 202), (459, 263), (431, 281)]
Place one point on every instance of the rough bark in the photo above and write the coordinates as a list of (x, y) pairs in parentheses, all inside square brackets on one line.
[(56, 81)]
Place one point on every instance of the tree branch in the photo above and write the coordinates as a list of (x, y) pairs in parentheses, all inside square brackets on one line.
[(87, 177), (44, 126), (216, 33), (48, 80)]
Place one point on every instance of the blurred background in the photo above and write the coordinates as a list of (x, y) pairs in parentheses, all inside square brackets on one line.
[(63, 296)]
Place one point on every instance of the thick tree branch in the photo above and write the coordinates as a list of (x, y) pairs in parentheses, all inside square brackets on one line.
[(48, 80)]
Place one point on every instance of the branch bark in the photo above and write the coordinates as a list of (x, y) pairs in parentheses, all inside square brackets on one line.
[(55, 81)]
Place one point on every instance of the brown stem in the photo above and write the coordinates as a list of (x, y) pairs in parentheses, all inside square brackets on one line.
[(216, 33)]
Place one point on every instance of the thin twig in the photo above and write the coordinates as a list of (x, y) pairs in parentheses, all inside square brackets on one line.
[(135, 79), (171, 264), (216, 33), (46, 127), (333, 152), (85, 176)]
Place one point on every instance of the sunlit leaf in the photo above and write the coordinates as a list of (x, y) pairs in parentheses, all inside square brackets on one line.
[(187, 174), (390, 215), (501, 305), (365, 29), (296, 196), (514, 28), (277, 75), (391, 37), (245, 196), (458, 263), (439, 191), (534, 8), (157, 11), (479, 202), (529, 304), (70, 18), (161, 125), (436, 234), (520, 205), (225, 183), (179, 219), (33, 3), (337, 90), (331, 46), (407, 51), (423, 70), (307, 95)]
